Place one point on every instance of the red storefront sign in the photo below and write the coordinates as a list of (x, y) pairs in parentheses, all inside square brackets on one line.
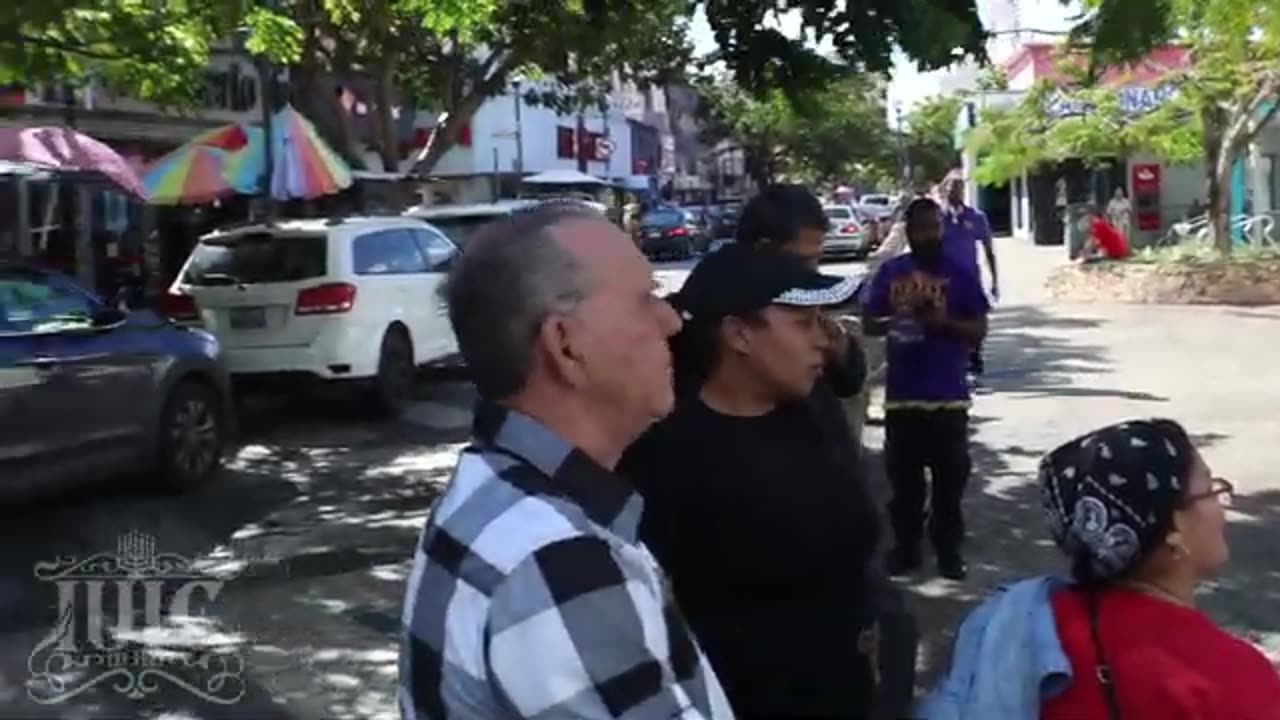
[(1146, 195)]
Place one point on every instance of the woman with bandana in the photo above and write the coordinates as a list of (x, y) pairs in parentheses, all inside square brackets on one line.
[(1140, 516)]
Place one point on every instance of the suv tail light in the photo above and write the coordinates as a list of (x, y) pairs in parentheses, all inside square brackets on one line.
[(849, 229), (673, 232), (179, 306), (329, 299)]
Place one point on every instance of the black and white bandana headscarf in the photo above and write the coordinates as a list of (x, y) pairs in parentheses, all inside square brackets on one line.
[(1110, 495)]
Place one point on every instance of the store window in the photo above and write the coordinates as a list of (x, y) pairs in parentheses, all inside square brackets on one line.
[(564, 143)]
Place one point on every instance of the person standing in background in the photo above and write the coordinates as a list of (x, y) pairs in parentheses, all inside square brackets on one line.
[(963, 229), (1120, 212), (933, 310), (790, 219)]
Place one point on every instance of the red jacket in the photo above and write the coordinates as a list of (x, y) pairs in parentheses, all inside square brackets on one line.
[(1168, 662), (1112, 242)]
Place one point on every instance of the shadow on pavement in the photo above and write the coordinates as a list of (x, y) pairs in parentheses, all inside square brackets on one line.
[(1040, 356), (1034, 354), (311, 527), (1008, 540)]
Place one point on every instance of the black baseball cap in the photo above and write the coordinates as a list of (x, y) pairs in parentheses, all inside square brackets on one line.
[(736, 280)]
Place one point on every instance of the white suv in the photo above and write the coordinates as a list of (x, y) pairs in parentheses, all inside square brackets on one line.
[(460, 222), (350, 299)]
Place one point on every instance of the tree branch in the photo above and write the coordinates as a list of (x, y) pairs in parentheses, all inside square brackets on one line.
[(1266, 94), (1029, 31), (21, 39)]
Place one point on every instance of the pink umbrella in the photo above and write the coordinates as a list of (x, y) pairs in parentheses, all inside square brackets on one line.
[(63, 149)]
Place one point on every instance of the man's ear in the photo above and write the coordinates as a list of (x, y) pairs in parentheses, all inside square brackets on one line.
[(736, 335), (555, 348)]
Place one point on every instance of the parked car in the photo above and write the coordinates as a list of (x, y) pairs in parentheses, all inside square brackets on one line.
[(89, 391), (847, 235), (698, 222), (664, 233), (724, 219), (876, 206), (351, 300), (460, 222)]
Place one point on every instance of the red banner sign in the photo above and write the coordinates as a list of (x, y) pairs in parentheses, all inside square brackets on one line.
[(1146, 196)]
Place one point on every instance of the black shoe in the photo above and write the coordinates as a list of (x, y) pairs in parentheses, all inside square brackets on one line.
[(953, 567), (902, 562)]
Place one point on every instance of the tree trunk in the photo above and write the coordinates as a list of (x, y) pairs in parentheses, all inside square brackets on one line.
[(313, 93), (1218, 165), (758, 165), (1220, 209), (384, 98), (446, 135)]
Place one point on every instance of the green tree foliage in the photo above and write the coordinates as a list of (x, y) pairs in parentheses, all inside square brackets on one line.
[(1226, 97), (833, 133), (152, 50), (930, 136), (936, 33), (454, 54)]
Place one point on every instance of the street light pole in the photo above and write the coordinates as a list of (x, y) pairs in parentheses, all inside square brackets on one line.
[(266, 81), (904, 166), (519, 132)]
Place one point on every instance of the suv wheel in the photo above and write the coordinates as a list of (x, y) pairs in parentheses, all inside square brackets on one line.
[(393, 386), (193, 435)]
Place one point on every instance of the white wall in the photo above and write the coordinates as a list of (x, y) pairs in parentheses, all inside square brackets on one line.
[(495, 121), (1180, 186)]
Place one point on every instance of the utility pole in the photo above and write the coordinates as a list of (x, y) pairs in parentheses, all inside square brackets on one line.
[(266, 93), (78, 207), (582, 141), (266, 82), (904, 161), (519, 100)]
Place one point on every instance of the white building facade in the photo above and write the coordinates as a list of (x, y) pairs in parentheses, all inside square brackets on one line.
[(629, 143)]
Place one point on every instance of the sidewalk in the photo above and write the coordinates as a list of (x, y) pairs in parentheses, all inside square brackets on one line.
[(1057, 371)]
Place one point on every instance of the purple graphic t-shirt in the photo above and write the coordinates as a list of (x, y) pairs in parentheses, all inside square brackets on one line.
[(924, 367), (962, 229)]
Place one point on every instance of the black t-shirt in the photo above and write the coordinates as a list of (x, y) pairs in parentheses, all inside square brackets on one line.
[(767, 532)]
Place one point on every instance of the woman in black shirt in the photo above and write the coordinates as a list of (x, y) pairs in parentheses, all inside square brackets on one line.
[(753, 506)]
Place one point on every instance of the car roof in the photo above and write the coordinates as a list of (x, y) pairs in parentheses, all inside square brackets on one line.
[(501, 207), (319, 226)]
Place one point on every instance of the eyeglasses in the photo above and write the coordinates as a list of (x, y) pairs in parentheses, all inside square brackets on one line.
[(1221, 490)]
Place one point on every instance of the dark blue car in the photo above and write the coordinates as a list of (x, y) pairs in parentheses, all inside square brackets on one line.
[(90, 392)]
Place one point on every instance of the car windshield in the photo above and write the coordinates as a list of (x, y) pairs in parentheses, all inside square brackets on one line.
[(663, 218), (839, 213), (257, 258), (876, 200), (461, 228)]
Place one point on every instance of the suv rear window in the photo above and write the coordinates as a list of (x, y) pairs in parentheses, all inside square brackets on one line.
[(258, 258), (663, 218), (839, 213), (459, 229)]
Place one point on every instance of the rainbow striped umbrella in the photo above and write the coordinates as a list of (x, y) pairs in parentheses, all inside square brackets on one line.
[(189, 175), (303, 165)]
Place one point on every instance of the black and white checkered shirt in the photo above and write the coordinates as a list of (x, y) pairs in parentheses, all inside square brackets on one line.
[(531, 596)]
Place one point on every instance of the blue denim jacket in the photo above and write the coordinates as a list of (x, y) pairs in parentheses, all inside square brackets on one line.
[(1008, 658)]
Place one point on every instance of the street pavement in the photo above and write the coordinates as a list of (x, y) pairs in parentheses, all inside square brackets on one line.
[(311, 527)]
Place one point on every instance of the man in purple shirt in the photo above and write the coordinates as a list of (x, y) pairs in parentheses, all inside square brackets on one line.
[(934, 311), (963, 228)]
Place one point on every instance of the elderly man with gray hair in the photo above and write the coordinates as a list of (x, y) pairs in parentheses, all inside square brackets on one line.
[(530, 595)]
